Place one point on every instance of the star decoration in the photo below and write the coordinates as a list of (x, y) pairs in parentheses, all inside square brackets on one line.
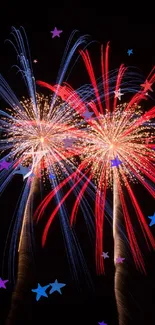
[(25, 171), (118, 94), (130, 51), (40, 291), (68, 143), (35, 61), (51, 176), (147, 86), (2, 283), (115, 162), (4, 165), (56, 286), (86, 115), (102, 323), (105, 255), (56, 32), (119, 260), (152, 220)]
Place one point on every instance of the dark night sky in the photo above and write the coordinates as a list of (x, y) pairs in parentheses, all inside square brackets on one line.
[(123, 33)]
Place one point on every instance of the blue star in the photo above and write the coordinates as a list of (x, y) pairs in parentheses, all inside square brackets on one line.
[(25, 171), (102, 323), (115, 162), (40, 291), (130, 51), (152, 221), (105, 255), (56, 287), (51, 176)]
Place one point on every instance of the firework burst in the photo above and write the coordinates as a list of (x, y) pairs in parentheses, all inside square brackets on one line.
[(123, 140), (44, 142), (36, 141)]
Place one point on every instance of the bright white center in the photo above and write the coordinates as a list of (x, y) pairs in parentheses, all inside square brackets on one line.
[(42, 139)]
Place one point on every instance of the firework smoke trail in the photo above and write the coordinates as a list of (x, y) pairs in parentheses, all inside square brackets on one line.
[(119, 250), (116, 212), (33, 134), (24, 284)]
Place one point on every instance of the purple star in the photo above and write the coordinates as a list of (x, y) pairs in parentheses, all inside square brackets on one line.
[(105, 255), (56, 32), (86, 115), (68, 142), (119, 260), (2, 283), (4, 165), (102, 323), (115, 162)]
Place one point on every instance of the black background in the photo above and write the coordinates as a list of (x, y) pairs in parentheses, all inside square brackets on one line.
[(123, 33)]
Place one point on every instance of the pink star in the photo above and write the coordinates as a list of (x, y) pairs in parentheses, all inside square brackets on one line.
[(56, 32), (4, 165), (35, 61), (118, 94), (2, 283)]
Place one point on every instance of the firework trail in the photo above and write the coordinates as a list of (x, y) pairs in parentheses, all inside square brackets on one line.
[(26, 272)]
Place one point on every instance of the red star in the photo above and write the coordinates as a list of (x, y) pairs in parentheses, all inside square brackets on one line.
[(147, 86)]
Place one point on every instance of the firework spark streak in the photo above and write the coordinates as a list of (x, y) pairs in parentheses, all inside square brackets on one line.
[(120, 144), (33, 132)]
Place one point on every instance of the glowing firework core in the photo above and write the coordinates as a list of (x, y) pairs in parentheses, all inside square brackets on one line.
[(112, 146), (42, 139), (119, 134)]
